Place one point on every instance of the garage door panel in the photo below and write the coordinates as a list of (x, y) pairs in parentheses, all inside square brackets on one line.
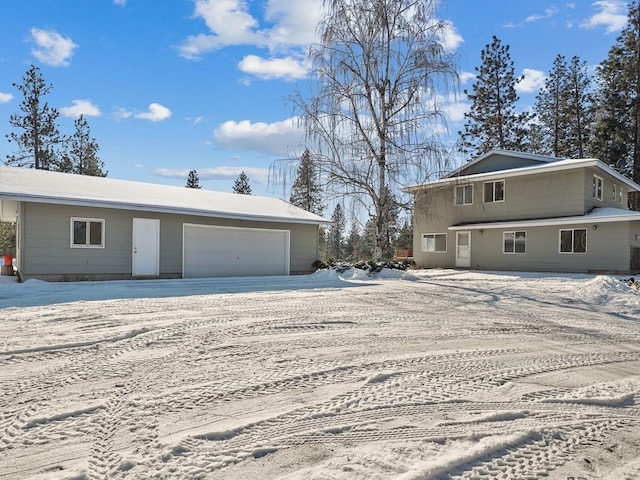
[(232, 251)]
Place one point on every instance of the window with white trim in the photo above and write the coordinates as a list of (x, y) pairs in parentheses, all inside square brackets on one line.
[(573, 240), (514, 242), (464, 195), (614, 192), (597, 187), (494, 191), (434, 242), (87, 232)]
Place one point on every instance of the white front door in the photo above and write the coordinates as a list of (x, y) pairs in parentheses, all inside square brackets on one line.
[(463, 249), (146, 246)]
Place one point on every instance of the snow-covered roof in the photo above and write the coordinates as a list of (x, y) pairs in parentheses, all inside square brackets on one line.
[(558, 165), (40, 186), (510, 153), (597, 215)]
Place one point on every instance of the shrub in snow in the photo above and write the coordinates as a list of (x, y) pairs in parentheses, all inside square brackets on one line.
[(369, 266)]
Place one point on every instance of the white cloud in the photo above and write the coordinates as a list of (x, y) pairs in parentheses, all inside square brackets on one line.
[(466, 76), (275, 138), (81, 107), (287, 68), (122, 3), (532, 81), (122, 113), (51, 47), (451, 39), (285, 24), (548, 13), (612, 15), (224, 172), (5, 97), (156, 113)]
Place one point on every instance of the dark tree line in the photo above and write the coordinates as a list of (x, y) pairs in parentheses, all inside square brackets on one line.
[(37, 138), (577, 114)]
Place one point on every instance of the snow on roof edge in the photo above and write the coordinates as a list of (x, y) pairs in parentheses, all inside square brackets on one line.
[(598, 214)]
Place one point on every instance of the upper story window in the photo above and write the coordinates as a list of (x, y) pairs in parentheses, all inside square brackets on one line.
[(597, 187), (494, 191), (464, 195), (614, 192), (87, 232)]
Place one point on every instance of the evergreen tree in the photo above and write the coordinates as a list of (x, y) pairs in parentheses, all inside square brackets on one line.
[(39, 137), (306, 192), (193, 181), (551, 109), (335, 238), (563, 110), (81, 152), (615, 137), (493, 121), (352, 243), (404, 239), (241, 184)]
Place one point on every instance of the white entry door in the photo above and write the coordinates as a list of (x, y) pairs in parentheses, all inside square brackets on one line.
[(463, 249), (146, 247)]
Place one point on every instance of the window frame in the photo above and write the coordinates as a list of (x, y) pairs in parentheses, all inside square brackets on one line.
[(598, 187), (614, 192), (88, 221), (434, 235), (493, 191), (573, 241), (514, 232), (464, 196)]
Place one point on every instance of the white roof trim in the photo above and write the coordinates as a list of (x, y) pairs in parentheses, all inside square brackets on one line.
[(40, 186), (509, 153), (597, 215), (515, 172)]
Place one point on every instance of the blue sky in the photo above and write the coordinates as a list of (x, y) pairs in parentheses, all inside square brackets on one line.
[(204, 84)]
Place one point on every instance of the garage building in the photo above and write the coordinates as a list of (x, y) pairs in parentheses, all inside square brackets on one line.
[(74, 227)]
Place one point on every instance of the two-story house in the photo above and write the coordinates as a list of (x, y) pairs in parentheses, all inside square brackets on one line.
[(517, 211)]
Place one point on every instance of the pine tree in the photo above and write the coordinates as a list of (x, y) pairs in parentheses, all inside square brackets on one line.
[(493, 121), (306, 192), (193, 181), (335, 238), (563, 110), (80, 155), (615, 136), (241, 184), (352, 243), (39, 137)]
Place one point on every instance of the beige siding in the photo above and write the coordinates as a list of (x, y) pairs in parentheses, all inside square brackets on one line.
[(607, 194), (499, 161), (46, 251), (607, 250), (533, 196)]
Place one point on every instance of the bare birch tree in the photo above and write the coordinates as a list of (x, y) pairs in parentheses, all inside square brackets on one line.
[(378, 72)]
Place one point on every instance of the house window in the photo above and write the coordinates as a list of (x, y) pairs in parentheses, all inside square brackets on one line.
[(434, 242), (597, 187), (464, 195), (614, 192), (620, 195), (573, 241), (494, 191), (514, 242), (87, 232)]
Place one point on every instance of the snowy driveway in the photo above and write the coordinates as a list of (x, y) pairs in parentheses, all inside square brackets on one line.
[(435, 375)]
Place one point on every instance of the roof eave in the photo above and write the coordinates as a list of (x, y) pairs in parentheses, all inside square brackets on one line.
[(21, 197)]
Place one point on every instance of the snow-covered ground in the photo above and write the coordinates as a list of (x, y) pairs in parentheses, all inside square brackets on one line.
[(437, 374)]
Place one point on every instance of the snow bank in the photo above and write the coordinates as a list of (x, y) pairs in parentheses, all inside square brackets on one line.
[(603, 289)]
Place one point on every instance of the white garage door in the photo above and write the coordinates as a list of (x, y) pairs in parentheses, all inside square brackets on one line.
[(231, 251)]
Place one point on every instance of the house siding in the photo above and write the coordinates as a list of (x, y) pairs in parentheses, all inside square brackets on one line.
[(46, 253), (533, 196), (607, 250), (499, 162)]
